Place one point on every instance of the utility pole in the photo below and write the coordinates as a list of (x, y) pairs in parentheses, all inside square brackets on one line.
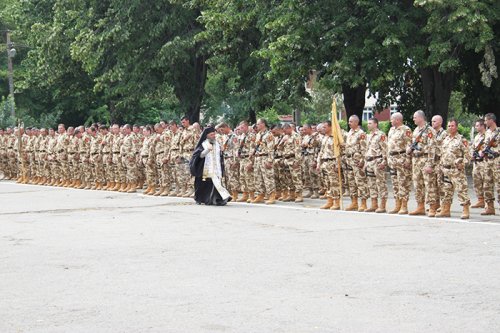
[(10, 54)]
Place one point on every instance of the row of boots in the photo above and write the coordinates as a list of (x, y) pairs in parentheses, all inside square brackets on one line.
[(78, 184), (165, 191)]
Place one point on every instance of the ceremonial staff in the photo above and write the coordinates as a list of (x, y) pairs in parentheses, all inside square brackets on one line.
[(338, 140)]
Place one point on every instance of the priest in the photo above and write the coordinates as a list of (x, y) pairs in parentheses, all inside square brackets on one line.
[(207, 166)]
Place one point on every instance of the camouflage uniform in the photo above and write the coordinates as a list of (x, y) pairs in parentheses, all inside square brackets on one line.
[(438, 179), (423, 156), (264, 175), (96, 159), (292, 154), (163, 164), (376, 155), (282, 179), (176, 164), (246, 146), (455, 152), (329, 165), (231, 163), (73, 161), (62, 156), (355, 150), (118, 169), (147, 154), (188, 141), (492, 165), (107, 157), (12, 161), (52, 158), (86, 166), (310, 149), (478, 169), (128, 153), (398, 161)]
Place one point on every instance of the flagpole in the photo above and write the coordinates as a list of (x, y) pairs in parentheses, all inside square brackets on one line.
[(337, 153)]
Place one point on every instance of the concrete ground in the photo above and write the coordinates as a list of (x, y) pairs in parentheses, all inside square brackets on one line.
[(93, 261)]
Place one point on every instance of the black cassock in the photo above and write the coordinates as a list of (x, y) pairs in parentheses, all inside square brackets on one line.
[(204, 190)]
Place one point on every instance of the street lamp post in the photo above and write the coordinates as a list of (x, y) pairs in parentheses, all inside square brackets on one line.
[(11, 52)]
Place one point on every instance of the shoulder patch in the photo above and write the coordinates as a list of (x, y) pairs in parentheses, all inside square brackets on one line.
[(465, 142), (362, 136), (382, 137), (409, 133), (430, 135)]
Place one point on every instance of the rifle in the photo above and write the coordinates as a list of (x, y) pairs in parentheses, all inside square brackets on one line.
[(414, 145), (487, 151), (477, 149)]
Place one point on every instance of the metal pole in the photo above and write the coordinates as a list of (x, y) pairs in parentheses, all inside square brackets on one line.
[(11, 76)]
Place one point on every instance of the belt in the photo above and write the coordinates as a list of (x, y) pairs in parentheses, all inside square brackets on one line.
[(71, 153), (259, 155), (478, 160), (174, 149), (447, 166), (106, 152), (349, 155), (228, 156), (417, 155), (289, 156), (393, 153), (143, 156), (94, 154), (244, 156), (327, 159), (116, 152), (371, 158), (61, 151), (41, 151)]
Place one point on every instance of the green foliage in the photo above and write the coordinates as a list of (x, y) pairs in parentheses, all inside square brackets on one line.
[(271, 115)]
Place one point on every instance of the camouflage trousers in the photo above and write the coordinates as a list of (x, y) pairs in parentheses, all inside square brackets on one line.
[(130, 167), (438, 182), (309, 174), (282, 181), (356, 180), (247, 181), (62, 159), (377, 182), (74, 167), (149, 170), (174, 179), (424, 183), (107, 161), (87, 171), (294, 170), (455, 179), (491, 179), (330, 176), (345, 175), (478, 174), (184, 180), (264, 177), (163, 171), (400, 176), (231, 173), (118, 170), (96, 161)]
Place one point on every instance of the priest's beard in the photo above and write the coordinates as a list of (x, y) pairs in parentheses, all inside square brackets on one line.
[(211, 141)]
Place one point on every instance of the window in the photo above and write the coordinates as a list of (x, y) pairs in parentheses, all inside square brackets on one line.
[(367, 113)]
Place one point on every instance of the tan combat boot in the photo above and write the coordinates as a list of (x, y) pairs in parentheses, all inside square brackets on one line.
[(490, 208), (420, 209), (278, 195), (328, 204), (132, 188), (94, 186), (244, 198), (381, 208), (234, 195), (465, 212), (404, 207), (445, 210), (259, 198), (299, 197), (336, 204), (374, 206), (362, 207), (397, 208), (251, 197), (479, 204), (88, 186), (315, 194), (284, 195), (354, 204), (272, 199), (308, 193), (433, 210), (165, 192)]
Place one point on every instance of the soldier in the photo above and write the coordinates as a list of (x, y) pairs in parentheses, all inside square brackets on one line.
[(422, 151), (11, 162), (162, 145), (264, 173), (399, 162), (52, 157), (107, 157), (96, 159), (491, 153), (62, 156), (456, 156), (174, 158), (229, 148), (478, 169), (188, 141), (310, 149), (3, 153), (292, 153), (148, 158), (441, 134), (118, 169), (376, 155), (246, 145), (281, 178), (129, 154), (355, 150), (328, 165), (74, 157)]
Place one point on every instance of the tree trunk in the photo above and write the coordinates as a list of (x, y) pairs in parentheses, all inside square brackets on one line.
[(437, 91), (113, 115), (354, 100)]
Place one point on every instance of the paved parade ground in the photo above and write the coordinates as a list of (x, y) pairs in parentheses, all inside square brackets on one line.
[(75, 261)]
